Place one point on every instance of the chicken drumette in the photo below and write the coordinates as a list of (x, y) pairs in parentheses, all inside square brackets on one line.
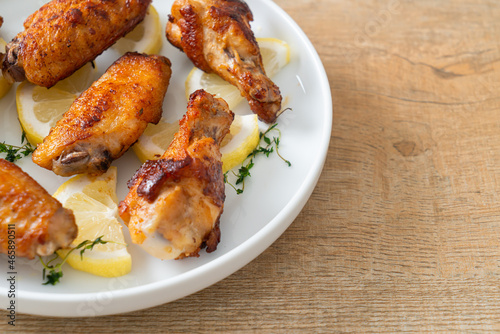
[(108, 117), (63, 35), (174, 203), (216, 36), (31, 221)]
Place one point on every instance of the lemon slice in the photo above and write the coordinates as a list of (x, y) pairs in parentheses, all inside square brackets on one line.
[(242, 139), (146, 36), (275, 55), (94, 204), (154, 140), (236, 146), (39, 108), (4, 84)]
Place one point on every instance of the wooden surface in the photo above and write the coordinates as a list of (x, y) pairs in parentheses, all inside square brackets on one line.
[(403, 230)]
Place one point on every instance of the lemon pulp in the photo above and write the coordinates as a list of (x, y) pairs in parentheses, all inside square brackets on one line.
[(94, 203)]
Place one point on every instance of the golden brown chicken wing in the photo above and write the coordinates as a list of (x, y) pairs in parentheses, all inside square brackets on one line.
[(174, 204), (31, 220), (64, 35), (108, 117), (216, 36)]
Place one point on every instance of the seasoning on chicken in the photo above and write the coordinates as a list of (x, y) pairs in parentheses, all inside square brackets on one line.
[(174, 204), (108, 117), (63, 35), (216, 36), (31, 220)]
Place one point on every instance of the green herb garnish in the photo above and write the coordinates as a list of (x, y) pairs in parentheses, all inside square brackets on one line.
[(13, 152), (55, 270), (266, 147)]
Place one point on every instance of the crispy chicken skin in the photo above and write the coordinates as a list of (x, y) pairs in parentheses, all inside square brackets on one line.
[(175, 203), (216, 36), (63, 35), (36, 221), (108, 117)]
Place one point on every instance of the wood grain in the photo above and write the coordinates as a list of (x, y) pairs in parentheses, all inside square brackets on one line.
[(402, 232)]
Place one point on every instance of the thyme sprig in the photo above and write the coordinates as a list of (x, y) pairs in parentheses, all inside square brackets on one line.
[(55, 270), (266, 146), (14, 152)]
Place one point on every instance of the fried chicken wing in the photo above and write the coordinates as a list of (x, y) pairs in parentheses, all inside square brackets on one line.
[(175, 203), (216, 36), (108, 117), (63, 35), (31, 220)]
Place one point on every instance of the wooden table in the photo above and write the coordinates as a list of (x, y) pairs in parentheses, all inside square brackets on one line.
[(403, 230)]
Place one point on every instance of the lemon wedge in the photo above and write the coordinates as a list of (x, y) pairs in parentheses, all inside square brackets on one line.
[(275, 55), (94, 204), (4, 84), (242, 139), (146, 36), (236, 146), (154, 140), (39, 108)]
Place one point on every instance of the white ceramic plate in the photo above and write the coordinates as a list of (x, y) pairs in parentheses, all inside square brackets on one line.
[(251, 222)]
